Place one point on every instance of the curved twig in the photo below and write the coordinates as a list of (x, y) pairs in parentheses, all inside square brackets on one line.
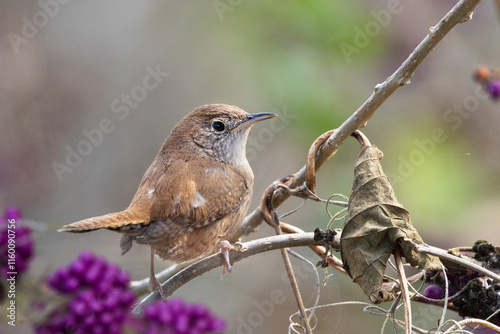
[(475, 321), (362, 138), (313, 152), (311, 160)]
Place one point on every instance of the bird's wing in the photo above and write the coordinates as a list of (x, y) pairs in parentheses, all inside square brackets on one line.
[(199, 196)]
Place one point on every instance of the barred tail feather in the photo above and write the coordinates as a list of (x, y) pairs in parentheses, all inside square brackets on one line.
[(122, 220)]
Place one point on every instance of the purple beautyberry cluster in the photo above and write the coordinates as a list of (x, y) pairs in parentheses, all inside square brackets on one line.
[(177, 317), (98, 299), (456, 282), (490, 81), (473, 295), (16, 243)]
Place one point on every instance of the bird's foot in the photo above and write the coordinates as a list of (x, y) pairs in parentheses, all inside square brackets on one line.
[(225, 246), (155, 285)]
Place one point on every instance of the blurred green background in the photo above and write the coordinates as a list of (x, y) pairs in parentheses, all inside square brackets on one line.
[(305, 60)]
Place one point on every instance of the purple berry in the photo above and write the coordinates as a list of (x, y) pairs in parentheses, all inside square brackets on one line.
[(77, 268), (71, 284), (12, 212), (434, 291), (494, 89)]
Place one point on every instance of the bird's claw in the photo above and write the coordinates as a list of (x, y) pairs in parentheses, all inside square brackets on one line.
[(155, 285), (225, 246)]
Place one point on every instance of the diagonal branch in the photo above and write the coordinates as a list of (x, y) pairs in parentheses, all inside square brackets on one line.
[(442, 254), (217, 260), (462, 12)]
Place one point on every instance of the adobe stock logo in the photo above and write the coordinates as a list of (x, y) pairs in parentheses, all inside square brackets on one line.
[(31, 28), (121, 108), (222, 6)]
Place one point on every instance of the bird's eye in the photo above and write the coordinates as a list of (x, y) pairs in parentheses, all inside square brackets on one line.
[(218, 126)]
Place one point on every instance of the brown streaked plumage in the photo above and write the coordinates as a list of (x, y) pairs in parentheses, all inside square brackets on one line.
[(194, 194)]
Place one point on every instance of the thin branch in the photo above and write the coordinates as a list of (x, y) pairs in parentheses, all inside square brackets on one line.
[(244, 250), (142, 286), (318, 289), (403, 285), (271, 217), (471, 321), (455, 259), (295, 239), (462, 12)]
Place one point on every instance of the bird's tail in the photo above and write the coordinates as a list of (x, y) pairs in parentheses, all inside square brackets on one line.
[(118, 221)]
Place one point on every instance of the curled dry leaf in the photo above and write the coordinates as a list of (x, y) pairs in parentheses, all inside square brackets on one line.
[(376, 223)]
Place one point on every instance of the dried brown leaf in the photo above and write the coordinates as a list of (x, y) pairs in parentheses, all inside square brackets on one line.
[(375, 224)]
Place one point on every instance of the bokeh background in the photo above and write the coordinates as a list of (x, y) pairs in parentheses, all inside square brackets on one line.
[(63, 76)]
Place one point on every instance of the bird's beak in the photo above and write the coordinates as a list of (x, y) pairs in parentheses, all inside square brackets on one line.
[(254, 118)]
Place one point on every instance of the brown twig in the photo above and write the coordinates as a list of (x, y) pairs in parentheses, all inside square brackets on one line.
[(314, 150), (460, 249), (446, 256), (362, 138), (471, 321), (468, 249), (142, 286), (311, 160), (271, 217), (403, 286)]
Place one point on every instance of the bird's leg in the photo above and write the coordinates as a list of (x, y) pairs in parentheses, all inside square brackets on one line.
[(225, 246), (153, 282)]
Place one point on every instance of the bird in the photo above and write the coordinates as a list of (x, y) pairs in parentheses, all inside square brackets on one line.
[(194, 194)]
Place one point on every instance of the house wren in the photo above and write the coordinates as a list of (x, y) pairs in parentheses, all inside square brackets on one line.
[(194, 194)]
